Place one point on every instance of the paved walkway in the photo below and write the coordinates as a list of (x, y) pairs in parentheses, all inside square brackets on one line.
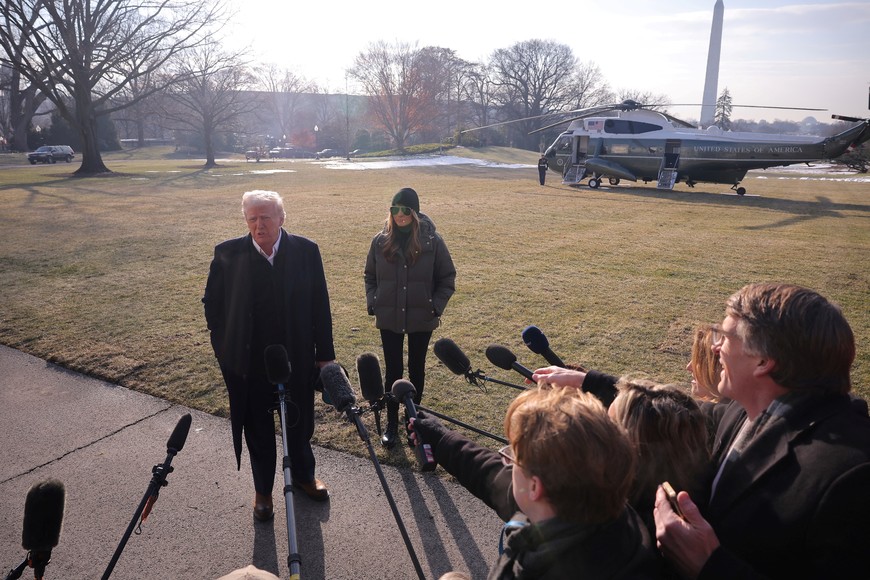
[(101, 441)]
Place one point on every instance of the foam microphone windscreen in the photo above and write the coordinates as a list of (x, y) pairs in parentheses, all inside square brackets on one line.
[(452, 356), (501, 356), (371, 383), (535, 340), (277, 364), (403, 388), (43, 516), (179, 434), (337, 386)]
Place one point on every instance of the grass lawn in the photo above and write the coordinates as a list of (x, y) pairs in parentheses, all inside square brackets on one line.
[(105, 275)]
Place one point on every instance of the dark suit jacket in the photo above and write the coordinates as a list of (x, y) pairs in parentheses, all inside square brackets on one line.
[(797, 503), (228, 305)]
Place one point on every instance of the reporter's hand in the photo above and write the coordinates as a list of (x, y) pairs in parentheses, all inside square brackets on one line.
[(429, 428), (559, 376), (687, 542)]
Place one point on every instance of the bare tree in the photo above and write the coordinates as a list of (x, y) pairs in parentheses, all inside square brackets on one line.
[(395, 79), (22, 98), (530, 79), (212, 97), (286, 96), (82, 54), (590, 88)]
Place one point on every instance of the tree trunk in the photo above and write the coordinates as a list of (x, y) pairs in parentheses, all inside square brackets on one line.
[(92, 160), (207, 135)]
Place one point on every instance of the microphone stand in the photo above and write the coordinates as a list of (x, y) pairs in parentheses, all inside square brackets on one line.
[(376, 406), (294, 560), (16, 572), (158, 480), (354, 413), (461, 424), (473, 377)]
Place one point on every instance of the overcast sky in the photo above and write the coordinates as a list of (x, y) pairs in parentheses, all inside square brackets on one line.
[(791, 54)]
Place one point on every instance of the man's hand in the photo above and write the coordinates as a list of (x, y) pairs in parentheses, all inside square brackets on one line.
[(559, 376), (686, 542)]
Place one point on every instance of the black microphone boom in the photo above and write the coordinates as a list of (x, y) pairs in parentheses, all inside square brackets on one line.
[(455, 360), (537, 342), (158, 479), (404, 391), (503, 358), (278, 373), (472, 428), (337, 385)]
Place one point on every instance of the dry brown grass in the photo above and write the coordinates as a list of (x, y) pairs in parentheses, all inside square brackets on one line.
[(105, 276)]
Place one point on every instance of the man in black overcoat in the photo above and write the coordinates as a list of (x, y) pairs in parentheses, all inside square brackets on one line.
[(268, 287)]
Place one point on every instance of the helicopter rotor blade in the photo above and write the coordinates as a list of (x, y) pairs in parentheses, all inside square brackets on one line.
[(848, 119), (500, 123)]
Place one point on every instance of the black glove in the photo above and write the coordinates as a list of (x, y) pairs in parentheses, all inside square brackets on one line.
[(429, 428)]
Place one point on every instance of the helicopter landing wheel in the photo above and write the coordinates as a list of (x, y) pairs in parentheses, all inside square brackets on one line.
[(594, 183), (613, 181), (741, 191)]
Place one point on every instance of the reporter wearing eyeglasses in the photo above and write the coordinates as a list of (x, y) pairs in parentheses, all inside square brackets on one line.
[(409, 278)]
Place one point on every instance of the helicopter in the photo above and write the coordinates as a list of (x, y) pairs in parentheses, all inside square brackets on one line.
[(632, 141)]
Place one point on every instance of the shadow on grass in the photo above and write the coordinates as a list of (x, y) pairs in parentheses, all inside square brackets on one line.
[(802, 210)]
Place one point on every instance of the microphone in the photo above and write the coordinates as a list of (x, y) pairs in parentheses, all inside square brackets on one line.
[(277, 364), (337, 386), (503, 358), (371, 383), (43, 519), (179, 435), (538, 344), (404, 391), (454, 359), (173, 446)]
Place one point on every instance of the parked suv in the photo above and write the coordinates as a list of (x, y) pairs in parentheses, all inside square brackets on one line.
[(51, 154)]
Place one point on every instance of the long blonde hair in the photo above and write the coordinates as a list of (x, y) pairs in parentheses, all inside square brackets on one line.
[(705, 364), (392, 247), (668, 432)]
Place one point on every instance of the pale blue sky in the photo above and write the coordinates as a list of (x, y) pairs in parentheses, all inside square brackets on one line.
[(797, 54)]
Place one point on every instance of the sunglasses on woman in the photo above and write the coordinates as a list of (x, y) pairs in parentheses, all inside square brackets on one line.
[(400, 208)]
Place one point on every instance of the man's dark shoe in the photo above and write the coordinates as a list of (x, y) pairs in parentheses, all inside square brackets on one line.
[(315, 490), (263, 510)]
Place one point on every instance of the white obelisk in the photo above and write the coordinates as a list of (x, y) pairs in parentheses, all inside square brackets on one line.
[(711, 83)]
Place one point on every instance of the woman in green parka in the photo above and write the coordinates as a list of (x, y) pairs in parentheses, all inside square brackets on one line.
[(409, 278)]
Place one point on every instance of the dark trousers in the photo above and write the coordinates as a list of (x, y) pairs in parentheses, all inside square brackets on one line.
[(393, 344), (542, 175), (258, 424)]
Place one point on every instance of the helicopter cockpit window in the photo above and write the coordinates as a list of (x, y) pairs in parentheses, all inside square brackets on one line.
[(564, 143), (631, 127)]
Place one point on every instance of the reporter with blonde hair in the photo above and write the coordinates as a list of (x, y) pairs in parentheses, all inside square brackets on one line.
[(561, 484)]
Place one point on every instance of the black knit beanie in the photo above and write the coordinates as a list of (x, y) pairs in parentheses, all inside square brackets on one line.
[(407, 197)]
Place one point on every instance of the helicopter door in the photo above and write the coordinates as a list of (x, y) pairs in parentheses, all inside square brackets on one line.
[(575, 171), (670, 164)]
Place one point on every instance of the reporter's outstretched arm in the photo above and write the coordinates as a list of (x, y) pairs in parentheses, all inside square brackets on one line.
[(559, 376), (478, 469)]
